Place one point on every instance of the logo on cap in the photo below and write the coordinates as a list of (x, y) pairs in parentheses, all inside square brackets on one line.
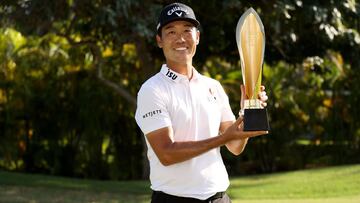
[(175, 9)]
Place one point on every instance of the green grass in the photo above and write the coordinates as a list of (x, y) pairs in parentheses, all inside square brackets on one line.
[(17, 187), (333, 184)]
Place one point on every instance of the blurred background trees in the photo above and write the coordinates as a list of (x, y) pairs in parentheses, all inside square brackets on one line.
[(70, 71)]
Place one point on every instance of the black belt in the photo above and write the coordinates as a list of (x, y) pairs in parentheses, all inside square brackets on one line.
[(217, 195)]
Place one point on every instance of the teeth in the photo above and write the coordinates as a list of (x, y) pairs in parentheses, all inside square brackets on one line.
[(180, 48)]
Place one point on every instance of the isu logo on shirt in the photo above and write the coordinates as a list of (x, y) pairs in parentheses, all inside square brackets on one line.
[(171, 75), (151, 113)]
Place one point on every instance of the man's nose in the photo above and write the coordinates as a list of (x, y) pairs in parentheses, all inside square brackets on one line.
[(180, 38)]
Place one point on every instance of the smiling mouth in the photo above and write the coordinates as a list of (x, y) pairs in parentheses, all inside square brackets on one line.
[(180, 49)]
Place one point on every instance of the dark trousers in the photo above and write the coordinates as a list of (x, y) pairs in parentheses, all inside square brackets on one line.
[(161, 197)]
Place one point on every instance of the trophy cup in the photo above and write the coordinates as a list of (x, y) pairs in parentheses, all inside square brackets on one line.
[(250, 39)]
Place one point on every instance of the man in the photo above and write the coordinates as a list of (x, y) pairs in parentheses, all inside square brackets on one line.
[(186, 118)]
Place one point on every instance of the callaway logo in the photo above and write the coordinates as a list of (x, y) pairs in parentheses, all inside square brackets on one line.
[(170, 12)]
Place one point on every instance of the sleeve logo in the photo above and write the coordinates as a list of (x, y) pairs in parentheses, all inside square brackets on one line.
[(152, 113)]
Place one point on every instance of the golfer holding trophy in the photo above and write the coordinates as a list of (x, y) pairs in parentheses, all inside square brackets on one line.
[(186, 117), (250, 39)]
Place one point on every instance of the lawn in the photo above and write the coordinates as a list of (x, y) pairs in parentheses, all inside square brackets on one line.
[(332, 184)]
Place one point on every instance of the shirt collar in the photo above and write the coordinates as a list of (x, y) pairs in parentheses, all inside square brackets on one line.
[(177, 77)]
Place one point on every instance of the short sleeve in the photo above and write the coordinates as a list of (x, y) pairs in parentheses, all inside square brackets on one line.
[(226, 112), (151, 112)]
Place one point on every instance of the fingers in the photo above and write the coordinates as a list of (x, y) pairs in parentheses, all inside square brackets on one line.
[(262, 96), (242, 89), (236, 131), (247, 134), (240, 126), (263, 104), (239, 120), (243, 95)]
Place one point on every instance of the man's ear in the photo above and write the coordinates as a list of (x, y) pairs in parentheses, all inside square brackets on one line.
[(159, 41), (197, 37)]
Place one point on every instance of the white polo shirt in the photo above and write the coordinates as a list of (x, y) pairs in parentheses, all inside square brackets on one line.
[(194, 109)]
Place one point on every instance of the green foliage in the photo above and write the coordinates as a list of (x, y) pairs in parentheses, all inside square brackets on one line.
[(58, 115)]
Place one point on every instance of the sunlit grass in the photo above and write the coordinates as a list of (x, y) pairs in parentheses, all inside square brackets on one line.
[(333, 184)]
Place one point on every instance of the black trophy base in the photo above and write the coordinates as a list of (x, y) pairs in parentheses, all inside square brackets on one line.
[(256, 119)]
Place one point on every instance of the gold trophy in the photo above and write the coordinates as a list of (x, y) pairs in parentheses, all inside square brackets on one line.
[(250, 39)]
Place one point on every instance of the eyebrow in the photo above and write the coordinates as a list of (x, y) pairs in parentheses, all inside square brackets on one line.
[(171, 26)]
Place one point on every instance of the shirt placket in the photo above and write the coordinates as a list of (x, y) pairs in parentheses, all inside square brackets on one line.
[(194, 103)]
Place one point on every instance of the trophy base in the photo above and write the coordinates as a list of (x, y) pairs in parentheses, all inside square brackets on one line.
[(255, 120)]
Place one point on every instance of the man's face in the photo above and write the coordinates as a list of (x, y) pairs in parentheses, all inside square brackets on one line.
[(178, 41)]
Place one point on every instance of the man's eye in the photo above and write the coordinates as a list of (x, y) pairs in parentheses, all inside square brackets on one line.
[(171, 32)]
